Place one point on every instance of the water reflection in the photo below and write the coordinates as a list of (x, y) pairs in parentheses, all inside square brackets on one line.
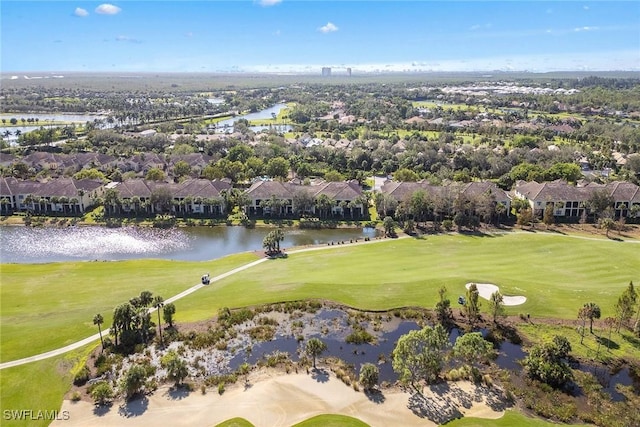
[(38, 245), (353, 354)]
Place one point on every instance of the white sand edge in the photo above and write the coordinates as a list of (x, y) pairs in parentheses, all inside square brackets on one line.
[(277, 399), (486, 289)]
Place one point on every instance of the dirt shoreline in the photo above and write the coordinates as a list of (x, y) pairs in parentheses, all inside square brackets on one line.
[(272, 398)]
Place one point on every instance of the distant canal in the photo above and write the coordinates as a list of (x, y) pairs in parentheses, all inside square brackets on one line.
[(40, 245)]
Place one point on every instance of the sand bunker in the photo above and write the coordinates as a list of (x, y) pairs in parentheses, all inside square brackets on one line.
[(486, 289), (274, 399)]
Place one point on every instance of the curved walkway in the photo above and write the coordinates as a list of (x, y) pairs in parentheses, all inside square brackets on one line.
[(194, 288), (182, 294), (96, 337)]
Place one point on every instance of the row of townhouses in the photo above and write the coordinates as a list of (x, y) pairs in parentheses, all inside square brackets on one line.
[(59, 163), (570, 202), (336, 199), (456, 193), (191, 196)]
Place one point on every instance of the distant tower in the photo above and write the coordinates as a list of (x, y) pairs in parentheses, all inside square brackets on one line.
[(326, 71), (349, 72)]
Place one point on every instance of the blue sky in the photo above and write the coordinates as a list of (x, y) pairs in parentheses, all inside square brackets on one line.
[(286, 35)]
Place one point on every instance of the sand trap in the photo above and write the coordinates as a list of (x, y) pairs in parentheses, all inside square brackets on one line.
[(486, 289), (277, 399)]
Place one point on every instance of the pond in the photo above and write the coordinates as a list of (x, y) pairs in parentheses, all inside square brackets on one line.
[(43, 119), (48, 244), (226, 126), (8, 133)]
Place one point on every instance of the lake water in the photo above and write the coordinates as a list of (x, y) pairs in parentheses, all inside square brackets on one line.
[(39, 245), (226, 126), (43, 120)]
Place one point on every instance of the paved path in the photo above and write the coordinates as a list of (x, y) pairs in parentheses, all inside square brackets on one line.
[(194, 288), (183, 294), (96, 337)]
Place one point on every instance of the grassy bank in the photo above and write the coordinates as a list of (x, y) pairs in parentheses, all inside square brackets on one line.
[(56, 302), (38, 386), (557, 274)]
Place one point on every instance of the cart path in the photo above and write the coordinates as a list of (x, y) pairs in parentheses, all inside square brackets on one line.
[(194, 288), (182, 294)]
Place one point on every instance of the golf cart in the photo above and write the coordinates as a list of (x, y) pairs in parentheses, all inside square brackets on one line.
[(206, 279)]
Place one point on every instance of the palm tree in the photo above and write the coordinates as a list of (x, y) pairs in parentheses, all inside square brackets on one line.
[(591, 311), (146, 298), (158, 303), (99, 320), (112, 200), (314, 348)]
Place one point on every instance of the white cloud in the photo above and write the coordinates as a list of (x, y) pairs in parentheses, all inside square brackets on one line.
[(329, 28), (276, 33), (127, 39), (189, 34), (108, 9), (267, 3), (578, 29), (585, 7), (80, 12)]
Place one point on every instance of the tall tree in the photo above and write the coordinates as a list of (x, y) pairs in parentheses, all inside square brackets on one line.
[(124, 324), (472, 348), (99, 320), (599, 201), (443, 307), (583, 315), (592, 311), (472, 305), (420, 355), (545, 363), (547, 217), (315, 347), (158, 303), (496, 306), (625, 306), (155, 174), (167, 313), (389, 226), (146, 298), (369, 374)]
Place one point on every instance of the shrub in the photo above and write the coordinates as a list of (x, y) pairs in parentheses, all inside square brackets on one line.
[(82, 376), (221, 388), (369, 375), (75, 397), (101, 392)]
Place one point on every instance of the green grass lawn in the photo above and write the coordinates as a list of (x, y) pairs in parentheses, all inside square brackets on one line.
[(52, 305), (56, 302), (235, 422), (319, 421), (597, 346), (557, 274), (509, 419), (331, 421), (38, 386), (46, 306)]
